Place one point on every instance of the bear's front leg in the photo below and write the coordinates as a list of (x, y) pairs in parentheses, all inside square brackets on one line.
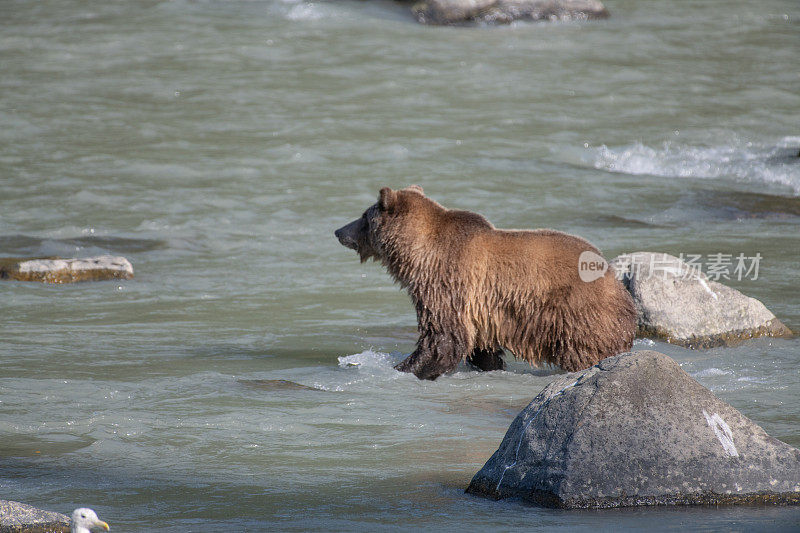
[(435, 355), (487, 360)]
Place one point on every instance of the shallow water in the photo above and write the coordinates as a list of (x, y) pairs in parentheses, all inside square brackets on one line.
[(218, 144)]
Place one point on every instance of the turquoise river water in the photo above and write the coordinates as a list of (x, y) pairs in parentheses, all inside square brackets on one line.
[(218, 144)]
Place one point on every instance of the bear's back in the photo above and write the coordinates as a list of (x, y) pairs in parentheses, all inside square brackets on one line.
[(530, 253)]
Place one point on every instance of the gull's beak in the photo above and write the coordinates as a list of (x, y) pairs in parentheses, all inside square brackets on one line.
[(102, 524)]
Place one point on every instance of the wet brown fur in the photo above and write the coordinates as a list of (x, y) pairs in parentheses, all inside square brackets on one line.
[(478, 290)]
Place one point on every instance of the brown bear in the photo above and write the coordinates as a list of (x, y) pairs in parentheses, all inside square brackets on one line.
[(479, 290)]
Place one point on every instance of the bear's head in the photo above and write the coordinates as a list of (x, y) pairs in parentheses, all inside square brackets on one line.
[(367, 235)]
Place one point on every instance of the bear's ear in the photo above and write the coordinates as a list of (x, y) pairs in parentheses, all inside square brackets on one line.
[(416, 189), (387, 199)]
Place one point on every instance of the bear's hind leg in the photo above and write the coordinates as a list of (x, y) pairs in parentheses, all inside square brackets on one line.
[(487, 360)]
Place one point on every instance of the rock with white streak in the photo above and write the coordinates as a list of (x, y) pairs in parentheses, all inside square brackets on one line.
[(56, 270), (450, 12), (678, 303), (635, 429)]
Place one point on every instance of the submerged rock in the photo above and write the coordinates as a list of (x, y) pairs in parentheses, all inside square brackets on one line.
[(444, 12), (635, 429), (18, 517), (274, 384), (55, 270), (679, 304), (738, 205)]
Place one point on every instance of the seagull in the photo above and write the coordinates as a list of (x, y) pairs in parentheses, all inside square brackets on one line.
[(85, 521)]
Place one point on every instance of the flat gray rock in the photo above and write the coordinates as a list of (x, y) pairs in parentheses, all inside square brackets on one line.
[(636, 429), (449, 12), (56, 270), (679, 304), (18, 517)]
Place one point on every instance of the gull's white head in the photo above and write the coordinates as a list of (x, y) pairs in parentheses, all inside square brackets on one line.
[(85, 520)]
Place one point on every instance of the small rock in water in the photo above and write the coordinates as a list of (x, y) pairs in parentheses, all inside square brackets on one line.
[(274, 384), (16, 517), (635, 429), (56, 270), (679, 304), (449, 12)]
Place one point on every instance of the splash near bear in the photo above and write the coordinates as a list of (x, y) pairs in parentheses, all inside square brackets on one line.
[(479, 290)]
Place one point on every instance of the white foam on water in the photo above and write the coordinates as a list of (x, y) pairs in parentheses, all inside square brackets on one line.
[(710, 372), (369, 359), (746, 161), (306, 11), (363, 370), (644, 342), (752, 379)]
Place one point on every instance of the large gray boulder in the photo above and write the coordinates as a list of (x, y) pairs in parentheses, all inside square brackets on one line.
[(635, 429), (678, 303), (56, 270), (443, 12), (18, 517)]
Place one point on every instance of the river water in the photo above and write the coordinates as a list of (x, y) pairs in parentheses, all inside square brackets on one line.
[(243, 380)]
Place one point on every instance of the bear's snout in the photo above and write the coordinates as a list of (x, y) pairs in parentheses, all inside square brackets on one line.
[(348, 235)]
